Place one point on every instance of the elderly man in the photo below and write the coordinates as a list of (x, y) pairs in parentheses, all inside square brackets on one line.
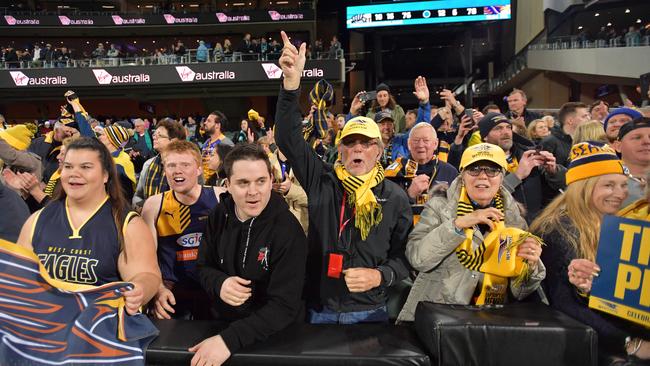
[(421, 169), (617, 118), (140, 145), (359, 222), (634, 147)]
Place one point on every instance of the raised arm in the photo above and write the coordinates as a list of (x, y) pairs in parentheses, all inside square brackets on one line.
[(304, 160)]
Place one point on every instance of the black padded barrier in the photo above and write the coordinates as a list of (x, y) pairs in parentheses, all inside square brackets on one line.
[(527, 334), (299, 344)]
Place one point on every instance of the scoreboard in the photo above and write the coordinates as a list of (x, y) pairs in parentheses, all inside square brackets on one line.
[(426, 12)]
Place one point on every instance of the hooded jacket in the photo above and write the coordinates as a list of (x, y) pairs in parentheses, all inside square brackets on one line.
[(383, 249), (270, 250)]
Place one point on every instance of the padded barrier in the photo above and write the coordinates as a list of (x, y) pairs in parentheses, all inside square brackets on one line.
[(516, 334), (299, 344)]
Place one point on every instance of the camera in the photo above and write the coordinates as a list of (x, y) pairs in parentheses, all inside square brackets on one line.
[(368, 96)]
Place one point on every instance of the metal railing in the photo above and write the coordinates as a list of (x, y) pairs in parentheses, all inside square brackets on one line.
[(519, 62), (575, 42), (164, 59)]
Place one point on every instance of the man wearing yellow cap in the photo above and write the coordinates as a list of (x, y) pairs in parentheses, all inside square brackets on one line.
[(469, 244), (360, 221)]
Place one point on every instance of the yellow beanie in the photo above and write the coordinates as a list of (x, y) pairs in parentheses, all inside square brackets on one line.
[(19, 137), (591, 159)]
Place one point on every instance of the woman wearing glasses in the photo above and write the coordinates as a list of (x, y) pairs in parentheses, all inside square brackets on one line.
[(453, 234)]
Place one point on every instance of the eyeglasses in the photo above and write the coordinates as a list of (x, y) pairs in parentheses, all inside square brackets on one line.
[(490, 171), (352, 143), (158, 135)]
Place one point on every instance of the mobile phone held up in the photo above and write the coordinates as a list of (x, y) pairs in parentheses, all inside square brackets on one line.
[(469, 112), (368, 96)]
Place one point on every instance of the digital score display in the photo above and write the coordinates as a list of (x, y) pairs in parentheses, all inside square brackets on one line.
[(426, 12)]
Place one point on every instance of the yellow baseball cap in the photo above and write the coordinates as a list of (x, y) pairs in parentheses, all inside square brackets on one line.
[(361, 126), (484, 151)]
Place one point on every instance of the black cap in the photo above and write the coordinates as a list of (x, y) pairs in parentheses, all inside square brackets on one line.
[(380, 116), (641, 122), (489, 121), (383, 86)]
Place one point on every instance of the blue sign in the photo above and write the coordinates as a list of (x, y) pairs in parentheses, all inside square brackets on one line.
[(623, 286), (427, 12)]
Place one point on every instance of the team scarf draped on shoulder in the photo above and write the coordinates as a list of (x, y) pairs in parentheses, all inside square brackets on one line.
[(496, 257), (320, 96), (367, 212), (44, 321)]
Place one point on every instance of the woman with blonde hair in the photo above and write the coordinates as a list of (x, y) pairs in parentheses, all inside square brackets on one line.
[(590, 131), (570, 226), (537, 130)]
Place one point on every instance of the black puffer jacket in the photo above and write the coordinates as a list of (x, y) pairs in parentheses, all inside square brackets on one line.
[(270, 250), (384, 247)]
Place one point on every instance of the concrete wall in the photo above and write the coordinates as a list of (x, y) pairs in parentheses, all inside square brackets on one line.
[(624, 62), (547, 90), (529, 19)]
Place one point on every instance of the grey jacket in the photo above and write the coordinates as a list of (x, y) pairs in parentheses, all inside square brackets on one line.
[(431, 248)]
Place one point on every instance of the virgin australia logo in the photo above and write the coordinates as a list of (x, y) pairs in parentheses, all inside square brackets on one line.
[(13, 21), (104, 78), (272, 71), (20, 79), (224, 18), (170, 19), (185, 73)]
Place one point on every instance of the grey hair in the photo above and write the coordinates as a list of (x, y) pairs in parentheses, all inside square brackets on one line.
[(423, 125)]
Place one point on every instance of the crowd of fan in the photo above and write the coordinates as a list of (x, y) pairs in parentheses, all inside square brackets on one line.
[(39, 54), (631, 36), (430, 153)]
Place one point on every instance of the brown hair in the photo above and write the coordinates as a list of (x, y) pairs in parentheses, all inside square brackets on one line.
[(568, 109), (175, 130), (119, 205), (246, 151)]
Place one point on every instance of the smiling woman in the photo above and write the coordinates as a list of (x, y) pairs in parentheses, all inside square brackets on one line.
[(71, 235), (570, 226), (464, 220)]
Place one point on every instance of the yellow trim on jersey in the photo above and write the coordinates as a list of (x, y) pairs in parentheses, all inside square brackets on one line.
[(37, 214), (75, 231), (179, 213), (127, 220)]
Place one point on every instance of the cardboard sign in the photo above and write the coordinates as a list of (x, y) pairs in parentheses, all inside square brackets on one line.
[(623, 286)]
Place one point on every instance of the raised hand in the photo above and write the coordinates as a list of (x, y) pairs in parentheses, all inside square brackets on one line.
[(292, 62), (421, 89)]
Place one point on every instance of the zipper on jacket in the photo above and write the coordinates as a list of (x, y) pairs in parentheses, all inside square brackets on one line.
[(248, 238)]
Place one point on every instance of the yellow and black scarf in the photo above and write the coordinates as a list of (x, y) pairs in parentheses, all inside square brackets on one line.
[(513, 164), (496, 257), (368, 212), (320, 96)]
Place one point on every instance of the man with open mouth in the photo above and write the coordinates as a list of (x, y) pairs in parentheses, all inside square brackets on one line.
[(361, 221)]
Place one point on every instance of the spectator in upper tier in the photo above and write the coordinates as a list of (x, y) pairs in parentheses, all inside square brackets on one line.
[(570, 226), (617, 118), (517, 112), (385, 102), (179, 51), (599, 110), (523, 179), (202, 52), (335, 47), (559, 143), (445, 246), (632, 37), (99, 52), (350, 207), (633, 146)]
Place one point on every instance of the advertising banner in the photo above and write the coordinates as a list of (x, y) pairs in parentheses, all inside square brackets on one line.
[(123, 20), (232, 72), (623, 285)]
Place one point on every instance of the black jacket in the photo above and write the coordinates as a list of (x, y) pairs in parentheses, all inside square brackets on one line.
[(48, 149), (529, 116), (270, 250), (385, 245), (536, 189), (559, 144)]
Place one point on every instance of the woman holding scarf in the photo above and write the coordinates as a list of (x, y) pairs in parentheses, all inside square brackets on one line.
[(570, 226), (464, 235)]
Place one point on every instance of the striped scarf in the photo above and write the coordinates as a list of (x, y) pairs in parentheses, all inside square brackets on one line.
[(155, 181), (513, 164), (320, 96), (495, 257), (368, 212), (52, 182)]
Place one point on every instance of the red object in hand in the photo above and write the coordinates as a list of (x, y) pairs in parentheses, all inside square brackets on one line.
[(335, 265)]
